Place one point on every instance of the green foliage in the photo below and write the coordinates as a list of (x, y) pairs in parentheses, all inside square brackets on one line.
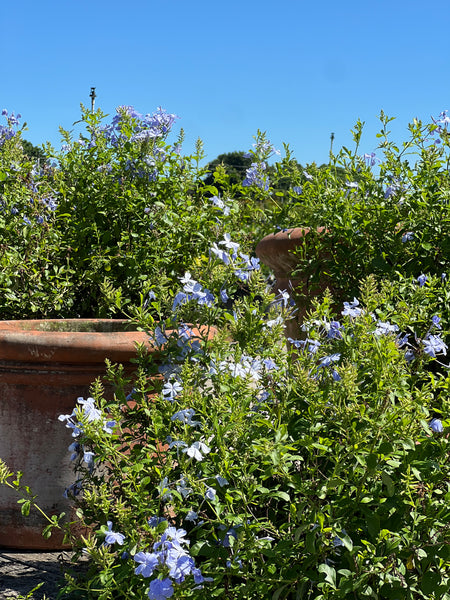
[(118, 209), (317, 470), (383, 213), (328, 478), (231, 166)]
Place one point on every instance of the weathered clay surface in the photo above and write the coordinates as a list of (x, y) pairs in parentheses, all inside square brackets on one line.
[(42, 373)]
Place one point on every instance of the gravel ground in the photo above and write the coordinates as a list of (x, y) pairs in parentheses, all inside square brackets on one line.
[(20, 572)]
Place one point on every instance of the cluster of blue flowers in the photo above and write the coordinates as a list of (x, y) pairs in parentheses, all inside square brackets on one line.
[(169, 558), (86, 411), (243, 264), (8, 131), (431, 343), (255, 175), (192, 290), (147, 127)]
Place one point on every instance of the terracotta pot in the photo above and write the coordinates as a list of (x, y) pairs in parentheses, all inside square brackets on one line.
[(278, 252), (44, 367)]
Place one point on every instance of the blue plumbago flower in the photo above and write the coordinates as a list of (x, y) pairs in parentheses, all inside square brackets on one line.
[(50, 203), (236, 560), (270, 364), (251, 263), (220, 205), (185, 416), (108, 426), (443, 276), (224, 296), (385, 328), (74, 489), (183, 489), (311, 345), (441, 122), (271, 323), (422, 279), (229, 535), (171, 390), (436, 321), (408, 236), (402, 340), (254, 175), (221, 254), (75, 447), (210, 494), (155, 521), (175, 443), (390, 191), (263, 149), (327, 361), (284, 298), (221, 480), (169, 552), (297, 189), (409, 356), (307, 176), (180, 565), (89, 409), (192, 290), (351, 308), (370, 159), (246, 367), (352, 185), (191, 516), (233, 246), (436, 425), (196, 450), (113, 537), (148, 562), (160, 589), (262, 396), (243, 275), (172, 537), (335, 375), (88, 458), (337, 541), (433, 345), (333, 330)]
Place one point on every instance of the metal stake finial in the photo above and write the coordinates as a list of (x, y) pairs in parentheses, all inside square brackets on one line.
[(93, 97), (331, 144)]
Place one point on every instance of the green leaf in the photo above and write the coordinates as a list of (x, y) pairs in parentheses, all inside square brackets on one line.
[(430, 582), (329, 572), (279, 591), (25, 508), (282, 495), (388, 483)]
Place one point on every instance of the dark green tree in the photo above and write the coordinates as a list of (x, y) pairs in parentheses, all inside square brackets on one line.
[(33, 152), (232, 165)]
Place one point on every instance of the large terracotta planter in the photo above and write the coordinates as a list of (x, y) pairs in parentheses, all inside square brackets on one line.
[(44, 367), (279, 251)]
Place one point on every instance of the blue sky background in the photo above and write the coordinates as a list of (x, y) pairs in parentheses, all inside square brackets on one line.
[(297, 70)]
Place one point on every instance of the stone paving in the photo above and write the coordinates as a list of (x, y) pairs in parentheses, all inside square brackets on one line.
[(20, 572)]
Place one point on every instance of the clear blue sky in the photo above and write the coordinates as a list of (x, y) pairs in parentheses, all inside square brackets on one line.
[(298, 70)]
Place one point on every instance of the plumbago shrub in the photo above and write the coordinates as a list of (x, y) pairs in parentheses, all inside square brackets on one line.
[(117, 213), (239, 467), (382, 212)]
